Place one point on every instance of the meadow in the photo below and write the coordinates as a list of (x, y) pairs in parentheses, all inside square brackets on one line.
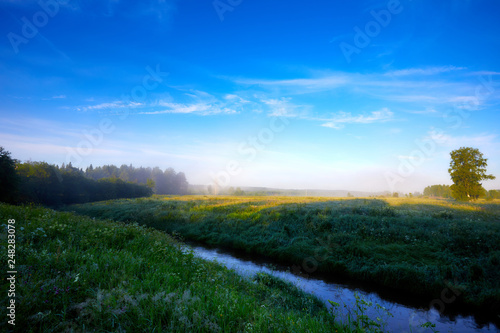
[(79, 274), (422, 247)]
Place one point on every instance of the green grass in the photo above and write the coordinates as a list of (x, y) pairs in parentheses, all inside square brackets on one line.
[(419, 246), (81, 274)]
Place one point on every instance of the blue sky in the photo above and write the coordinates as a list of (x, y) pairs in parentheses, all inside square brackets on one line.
[(361, 95)]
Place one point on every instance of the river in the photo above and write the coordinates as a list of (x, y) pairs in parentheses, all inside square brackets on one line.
[(408, 314)]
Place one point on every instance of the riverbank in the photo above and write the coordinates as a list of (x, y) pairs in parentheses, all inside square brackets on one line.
[(76, 273), (402, 314), (423, 247)]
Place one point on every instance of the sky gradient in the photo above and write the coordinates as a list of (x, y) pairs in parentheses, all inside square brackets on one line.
[(362, 95)]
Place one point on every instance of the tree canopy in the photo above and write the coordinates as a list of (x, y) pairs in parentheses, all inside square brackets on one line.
[(467, 170), (442, 191), (162, 182)]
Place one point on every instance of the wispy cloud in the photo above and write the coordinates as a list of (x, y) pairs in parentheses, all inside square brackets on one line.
[(424, 71), (427, 111), (483, 140), (189, 102), (236, 98), (342, 118), (420, 88), (411, 98), (109, 106), (197, 108), (485, 73), (283, 107), (30, 125), (54, 97), (414, 84), (328, 80), (429, 88), (308, 83), (201, 103)]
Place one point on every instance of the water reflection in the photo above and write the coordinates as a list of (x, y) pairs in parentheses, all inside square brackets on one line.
[(405, 318)]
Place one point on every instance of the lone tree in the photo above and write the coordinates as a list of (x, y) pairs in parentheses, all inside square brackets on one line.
[(467, 169)]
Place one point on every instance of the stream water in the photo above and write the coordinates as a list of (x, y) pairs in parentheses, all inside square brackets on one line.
[(408, 314)]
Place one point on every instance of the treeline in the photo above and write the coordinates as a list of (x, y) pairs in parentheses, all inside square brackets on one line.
[(492, 194), (163, 182), (51, 185), (444, 191), (42, 183)]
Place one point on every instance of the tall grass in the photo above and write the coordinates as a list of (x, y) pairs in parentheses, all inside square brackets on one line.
[(419, 246), (82, 274)]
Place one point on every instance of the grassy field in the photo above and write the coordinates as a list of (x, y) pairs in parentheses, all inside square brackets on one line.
[(80, 274), (419, 246)]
